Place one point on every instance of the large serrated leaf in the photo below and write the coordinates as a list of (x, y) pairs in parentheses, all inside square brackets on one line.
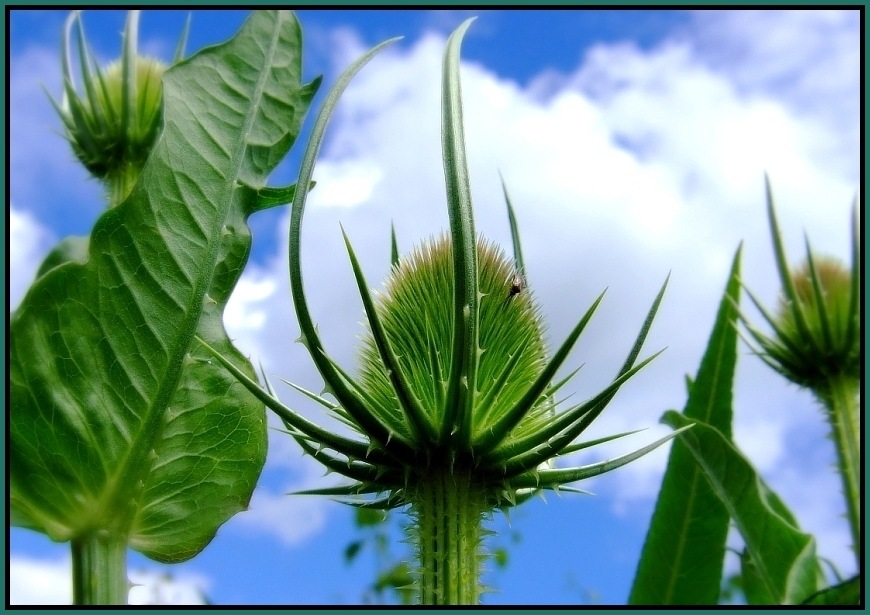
[(119, 423), (684, 552)]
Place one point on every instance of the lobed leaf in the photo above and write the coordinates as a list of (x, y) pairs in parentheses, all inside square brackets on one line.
[(119, 422)]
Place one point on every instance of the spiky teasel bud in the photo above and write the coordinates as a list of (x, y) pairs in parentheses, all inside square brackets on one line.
[(416, 311), (417, 316), (821, 343), (816, 343), (113, 124)]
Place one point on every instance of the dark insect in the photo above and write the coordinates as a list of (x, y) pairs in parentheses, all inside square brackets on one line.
[(517, 285)]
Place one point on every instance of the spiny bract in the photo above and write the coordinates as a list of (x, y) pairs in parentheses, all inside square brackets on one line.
[(417, 314)]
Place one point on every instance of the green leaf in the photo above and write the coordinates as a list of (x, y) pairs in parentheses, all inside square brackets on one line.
[(368, 518), (268, 196), (394, 247), (352, 550), (119, 422), (72, 248), (783, 557), (754, 590), (500, 557), (684, 551), (398, 578), (846, 593)]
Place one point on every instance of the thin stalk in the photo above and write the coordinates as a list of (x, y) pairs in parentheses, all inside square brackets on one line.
[(120, 184), (448, 510), (840, 399), (99, 563)]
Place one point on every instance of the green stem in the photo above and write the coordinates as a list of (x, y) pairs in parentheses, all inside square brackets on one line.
[(840, 399), (119, 183), (99, 565), (449, 512)]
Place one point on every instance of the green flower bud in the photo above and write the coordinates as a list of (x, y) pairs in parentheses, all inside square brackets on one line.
[(114, 122), (819, 347), (816, 343), (105, 139), (417, 315)]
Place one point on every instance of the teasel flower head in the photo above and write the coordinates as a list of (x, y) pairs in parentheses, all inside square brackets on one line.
[(816, 344), (816, 325), (455, 408), (113, 123)]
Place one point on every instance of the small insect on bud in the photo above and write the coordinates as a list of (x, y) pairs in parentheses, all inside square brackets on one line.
[(517, 285)]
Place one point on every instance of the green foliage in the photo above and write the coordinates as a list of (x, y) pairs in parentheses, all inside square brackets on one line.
[(683, 555), (816, 330), (113, 125), (120, 423), (393, 581), (709, 481), (847, 593), (416, 318), (816, 343), (782, 556)]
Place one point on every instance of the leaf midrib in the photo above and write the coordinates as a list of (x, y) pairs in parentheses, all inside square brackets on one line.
[(133, 467)]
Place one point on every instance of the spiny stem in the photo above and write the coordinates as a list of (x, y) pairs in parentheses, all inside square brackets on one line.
[(840, 398), (449, 512)]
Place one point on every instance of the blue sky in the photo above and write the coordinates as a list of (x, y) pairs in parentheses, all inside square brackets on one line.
[(634, 144)]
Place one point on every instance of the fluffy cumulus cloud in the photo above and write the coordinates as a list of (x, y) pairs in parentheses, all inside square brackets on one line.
[(635, 164), (39, 581), (47, 582), (29, 241)]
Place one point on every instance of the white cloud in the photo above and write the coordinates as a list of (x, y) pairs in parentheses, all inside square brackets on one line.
[(38, 153), (29, 243), (150, 587), (45, 582), (292, 519)]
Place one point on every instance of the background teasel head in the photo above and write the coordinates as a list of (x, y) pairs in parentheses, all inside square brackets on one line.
[(816, 344), (113, 123), (455, 406), (816, 326)]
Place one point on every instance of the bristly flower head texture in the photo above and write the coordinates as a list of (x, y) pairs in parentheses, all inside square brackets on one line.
[(455, 403), (114, 123)]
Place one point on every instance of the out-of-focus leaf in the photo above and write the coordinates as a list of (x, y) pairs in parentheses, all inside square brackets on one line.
[(118, 422), (366, 517), (500, 557), (398, 579), (352, 550), (847, 593), (783, 557), (684, 552)]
